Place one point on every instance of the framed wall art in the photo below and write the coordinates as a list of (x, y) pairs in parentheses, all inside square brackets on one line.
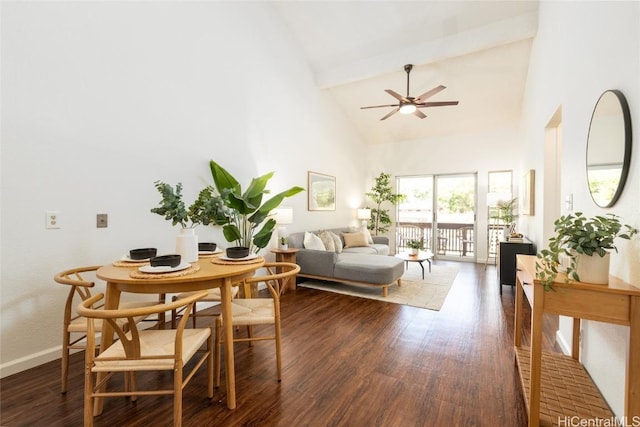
[(321, 192), (528, 193)]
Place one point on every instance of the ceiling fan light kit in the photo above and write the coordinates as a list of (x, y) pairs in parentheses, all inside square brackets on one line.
[(408, 104), (407, 109)]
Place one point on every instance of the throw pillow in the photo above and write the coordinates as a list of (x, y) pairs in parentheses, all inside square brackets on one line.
[(364, 230), (352, 240), (337, 241), (327, 241), (311, 241)]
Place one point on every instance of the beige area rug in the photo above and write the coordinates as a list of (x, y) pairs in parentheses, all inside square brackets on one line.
[(429, 293)]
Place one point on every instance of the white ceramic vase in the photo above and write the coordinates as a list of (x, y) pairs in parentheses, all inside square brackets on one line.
[(187, 245), (593, 269), (413, 251)]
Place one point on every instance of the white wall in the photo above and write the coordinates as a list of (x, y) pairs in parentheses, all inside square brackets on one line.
[(581, 50), (101, 99)]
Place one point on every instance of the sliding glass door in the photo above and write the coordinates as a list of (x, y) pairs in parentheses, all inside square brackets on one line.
[(440, 211)]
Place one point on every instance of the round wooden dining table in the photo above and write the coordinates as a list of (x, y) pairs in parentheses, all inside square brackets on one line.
[(210, 274)]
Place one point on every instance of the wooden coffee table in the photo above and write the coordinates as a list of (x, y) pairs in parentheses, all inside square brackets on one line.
[(421, 257)]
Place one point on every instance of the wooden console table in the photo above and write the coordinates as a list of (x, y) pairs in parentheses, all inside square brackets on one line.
[(557, 386)]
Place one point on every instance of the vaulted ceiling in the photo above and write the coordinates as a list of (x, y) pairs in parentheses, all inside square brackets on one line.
[(479, 50)]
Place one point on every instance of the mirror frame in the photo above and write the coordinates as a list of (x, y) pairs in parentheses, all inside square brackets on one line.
[(626, 117)]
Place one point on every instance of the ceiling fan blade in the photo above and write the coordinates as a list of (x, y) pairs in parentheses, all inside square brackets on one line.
[(419, 114), (436, 104), (379, 106), (391, 113), (432, 92), (396, 95)]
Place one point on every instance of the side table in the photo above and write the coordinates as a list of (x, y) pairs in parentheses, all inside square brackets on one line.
[(287, 255), (420, 257)]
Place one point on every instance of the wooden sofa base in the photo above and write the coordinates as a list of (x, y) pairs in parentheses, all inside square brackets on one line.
[(385, 291)]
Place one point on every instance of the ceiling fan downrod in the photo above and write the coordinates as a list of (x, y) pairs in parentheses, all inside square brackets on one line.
[(408, 69)]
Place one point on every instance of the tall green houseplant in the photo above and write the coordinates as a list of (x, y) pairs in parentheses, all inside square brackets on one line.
[(246, 220), (380, 193)]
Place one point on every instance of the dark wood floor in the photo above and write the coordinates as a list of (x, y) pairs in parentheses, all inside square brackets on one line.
[(347, 362)]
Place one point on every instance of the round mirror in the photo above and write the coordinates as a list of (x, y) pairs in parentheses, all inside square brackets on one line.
[(608, 148)]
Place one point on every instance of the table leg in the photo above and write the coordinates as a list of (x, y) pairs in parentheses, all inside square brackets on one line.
[(111, 302), (422, 267), (225, 296), (429, 261)]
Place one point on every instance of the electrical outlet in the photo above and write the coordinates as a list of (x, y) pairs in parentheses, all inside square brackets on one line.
[(102, 221), (52, 219)]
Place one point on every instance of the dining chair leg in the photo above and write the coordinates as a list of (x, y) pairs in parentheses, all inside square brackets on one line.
[(177, 396), (250, 334), (210, 363), (65, 361), (278, 351), (218, 350), (88, 395)]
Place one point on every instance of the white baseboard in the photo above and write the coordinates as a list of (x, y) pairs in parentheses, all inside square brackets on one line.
[(45, 356), (30, 361), (564, 345)]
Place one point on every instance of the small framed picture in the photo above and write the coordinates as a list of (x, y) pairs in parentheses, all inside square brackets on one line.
[(321, 192)]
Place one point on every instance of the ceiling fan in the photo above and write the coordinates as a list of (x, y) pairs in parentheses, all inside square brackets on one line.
[(408, 104)]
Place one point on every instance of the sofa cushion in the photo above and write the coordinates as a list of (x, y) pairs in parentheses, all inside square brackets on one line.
[(375, 249), (311, 241), (376, 269), (352, 240)]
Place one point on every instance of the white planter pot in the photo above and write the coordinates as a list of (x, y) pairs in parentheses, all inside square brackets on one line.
[(413, 251), (284, 247), (187, 245), (593, 269)]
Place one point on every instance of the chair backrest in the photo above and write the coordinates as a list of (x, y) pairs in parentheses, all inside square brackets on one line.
[(277, 271), (128, 331), (80, 286)]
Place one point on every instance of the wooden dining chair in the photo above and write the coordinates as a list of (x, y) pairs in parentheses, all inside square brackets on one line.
[(81, 280), (248, 311), (212, 296), (139, 350)]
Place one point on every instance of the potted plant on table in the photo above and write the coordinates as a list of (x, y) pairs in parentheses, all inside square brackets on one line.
[(284, 243), (506, 214), (246, 220), (581, 246), (415, 246), (173, 208)]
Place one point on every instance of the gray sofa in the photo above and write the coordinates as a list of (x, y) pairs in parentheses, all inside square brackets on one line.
[(366, 265)]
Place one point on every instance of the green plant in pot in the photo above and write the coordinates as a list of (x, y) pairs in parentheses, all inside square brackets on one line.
[(578, 237), (246, 220), (380, 193), (172, 207), (506, 213), (415, 245), (284, 242)]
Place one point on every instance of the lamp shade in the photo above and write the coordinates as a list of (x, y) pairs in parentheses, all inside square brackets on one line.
[(283, 216), (364, 214)]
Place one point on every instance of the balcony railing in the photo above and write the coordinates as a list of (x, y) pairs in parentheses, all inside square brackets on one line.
[(453, 239)]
